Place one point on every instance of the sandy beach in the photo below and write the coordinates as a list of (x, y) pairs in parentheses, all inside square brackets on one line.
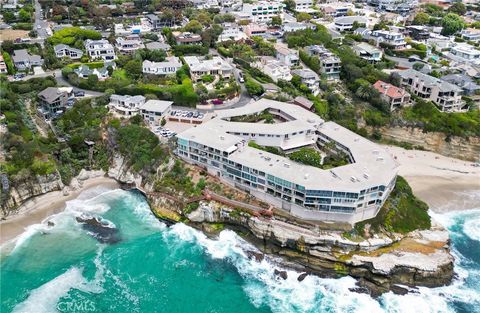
[(35, 210), (444, 183)]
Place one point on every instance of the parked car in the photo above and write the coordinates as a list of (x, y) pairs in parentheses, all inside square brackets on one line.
[(217, 101), (79, 93), (240, 78)]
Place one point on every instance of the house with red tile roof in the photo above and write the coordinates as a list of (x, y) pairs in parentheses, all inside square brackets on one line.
[(394, 95)]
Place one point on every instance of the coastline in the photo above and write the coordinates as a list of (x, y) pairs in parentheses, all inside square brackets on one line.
[(444, 183), (37, 209)]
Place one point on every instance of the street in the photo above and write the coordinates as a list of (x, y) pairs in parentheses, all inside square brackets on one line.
[(40, 24)]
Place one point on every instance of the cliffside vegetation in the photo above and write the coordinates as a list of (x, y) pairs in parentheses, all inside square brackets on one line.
[(401, 213)]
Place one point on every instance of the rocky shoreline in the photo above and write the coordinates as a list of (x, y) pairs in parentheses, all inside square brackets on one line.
[(397, 263)]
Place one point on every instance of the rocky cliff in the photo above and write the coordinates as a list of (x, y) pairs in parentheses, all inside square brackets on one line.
[(381, 264), (29, 189), (455, 147)]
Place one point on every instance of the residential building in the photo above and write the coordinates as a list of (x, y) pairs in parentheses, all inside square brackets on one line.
[(330, 64), (100, 49), (83, 71), (310, 79), (157, 23), (65, 51), (304, 5), (153, 111), (446, 96), (393, 39), (463, 81), (294, 26), (398, 6), (23, 60), (465, 53), (187, 38), (129, 44), (156, 45), (288, 56), (231, 31), (168, 67), (419, 33), (304, 103), (439, 41), (471, 34), (275, 69), (396, 97), (52, 101), (3, 66), (215, 66), (345, 23), (263, 11), (368, 52), (349, 193), (254, 29), (126, 105), (335, 9)]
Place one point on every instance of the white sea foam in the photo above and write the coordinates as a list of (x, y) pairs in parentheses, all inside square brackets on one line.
[(471, 228)]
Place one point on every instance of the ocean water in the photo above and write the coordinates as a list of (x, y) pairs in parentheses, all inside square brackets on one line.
[(64, 267)]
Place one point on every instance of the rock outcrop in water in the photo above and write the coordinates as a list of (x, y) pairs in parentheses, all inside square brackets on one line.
[(101, 230), (395, 262)]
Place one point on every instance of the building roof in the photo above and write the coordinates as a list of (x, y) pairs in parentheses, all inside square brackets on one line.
[(50, 94), (197, 64), (389, 90), (428, 80), (157, 46), (304, 102), (367, 48), (350, 20), (156, 105)]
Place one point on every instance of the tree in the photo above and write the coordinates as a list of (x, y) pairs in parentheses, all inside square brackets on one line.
[(276, 21), (421, 18), (302, 16), (9, 16), (452, 23), (133, 68), (193, 26), (24, 15), (458, 8), (290, 5), (253, 88), (418, 66), (8, 62)]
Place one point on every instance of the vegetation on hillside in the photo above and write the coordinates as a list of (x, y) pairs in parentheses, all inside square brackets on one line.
[(401, 213)]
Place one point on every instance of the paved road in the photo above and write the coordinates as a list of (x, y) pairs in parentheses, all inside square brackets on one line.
[(40, 24)]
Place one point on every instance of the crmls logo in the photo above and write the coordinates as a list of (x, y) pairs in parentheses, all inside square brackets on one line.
[(76, 306)]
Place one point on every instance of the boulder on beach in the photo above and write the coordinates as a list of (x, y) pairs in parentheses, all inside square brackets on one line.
[(255, 255), (84, 175), (302, 276)]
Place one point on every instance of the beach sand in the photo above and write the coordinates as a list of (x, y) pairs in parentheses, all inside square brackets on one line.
[(444, 183), (37, 209)]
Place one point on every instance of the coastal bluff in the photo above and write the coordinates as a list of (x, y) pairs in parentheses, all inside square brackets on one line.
[(385, 262)]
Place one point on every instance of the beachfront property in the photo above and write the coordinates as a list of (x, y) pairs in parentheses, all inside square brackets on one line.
[(446, 96), (262, 11), (395, 96), (168, 67), (153, 111), (126, 105), (368, 52), (215, 66), (100, 49), (349, 193), (65, 51)]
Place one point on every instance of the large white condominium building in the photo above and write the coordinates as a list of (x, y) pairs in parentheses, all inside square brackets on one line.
[(349, 193), (263, 11), (100, 49)]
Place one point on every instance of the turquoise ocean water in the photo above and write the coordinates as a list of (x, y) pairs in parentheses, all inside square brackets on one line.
[(152, 268)]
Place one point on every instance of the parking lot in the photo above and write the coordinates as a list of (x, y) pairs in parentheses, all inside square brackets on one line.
[(164, 132)]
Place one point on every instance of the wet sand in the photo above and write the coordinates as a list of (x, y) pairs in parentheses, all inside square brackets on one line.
[(37, 209)]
